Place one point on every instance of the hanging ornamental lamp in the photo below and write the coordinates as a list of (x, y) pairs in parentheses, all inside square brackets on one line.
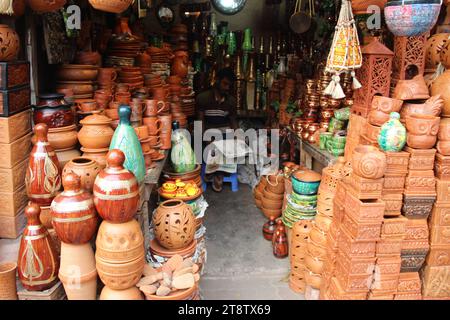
[(345, 53)]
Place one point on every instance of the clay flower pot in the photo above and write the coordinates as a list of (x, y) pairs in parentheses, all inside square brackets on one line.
[(73, 212), (419, 124), (174, 224), (96, 132), (9, 43), (87, 169), (122, 295), (63, 138), (368, 162), (116, 190), (77, 272), (413, 89), (8, 287)]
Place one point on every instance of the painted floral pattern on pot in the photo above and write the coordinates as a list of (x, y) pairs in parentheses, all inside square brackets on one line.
[(393, 134)]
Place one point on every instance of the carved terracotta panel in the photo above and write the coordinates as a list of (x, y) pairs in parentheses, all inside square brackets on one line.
[(397, 162), (354, 248), (436, 282), (442, 167), (409, 51), (409, 282), (413, 260), (356, 265), (440, 215), (389, 245), (421, 159), (341, 190), (416, 207), (420, 182), (394, 226), (364, 188), (393, 183), (385, 282), (336, 292), (388, 265), (439, 255), (443, 190), (417, 229), (352, 282), (440, 235), (408, 296), (393, 203), (364, 231)]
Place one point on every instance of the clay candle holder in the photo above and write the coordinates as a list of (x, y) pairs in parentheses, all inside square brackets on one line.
[(368, 162)]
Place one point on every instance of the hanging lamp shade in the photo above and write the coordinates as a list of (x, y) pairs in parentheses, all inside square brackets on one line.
[(345, 53)]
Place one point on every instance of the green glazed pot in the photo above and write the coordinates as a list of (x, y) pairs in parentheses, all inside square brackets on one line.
[(342, 114), (305, 188), (392, 137), (126, 140)]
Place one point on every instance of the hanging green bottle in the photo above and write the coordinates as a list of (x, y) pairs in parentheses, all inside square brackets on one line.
[(231, 43), (126, 140)]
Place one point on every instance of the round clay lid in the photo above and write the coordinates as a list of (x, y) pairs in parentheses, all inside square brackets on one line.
[(307, 176), (96, 119)]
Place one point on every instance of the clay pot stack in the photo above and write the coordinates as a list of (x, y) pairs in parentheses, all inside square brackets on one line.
[(120, 253), (106, 81), (123, 49), (75, 221), (154, 110), (144, 62), (298, 250), (176, 279), (272, 195), (161, 58), (132, 76), (145, 140), (79, 78), (379, 114)]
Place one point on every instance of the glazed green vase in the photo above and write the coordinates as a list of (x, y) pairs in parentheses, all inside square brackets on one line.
[(392, 137), (126, 140)]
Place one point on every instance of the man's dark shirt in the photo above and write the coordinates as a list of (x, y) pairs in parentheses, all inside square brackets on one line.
[(217, 113)]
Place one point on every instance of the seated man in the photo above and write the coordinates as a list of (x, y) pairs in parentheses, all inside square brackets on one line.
[(216, 108)]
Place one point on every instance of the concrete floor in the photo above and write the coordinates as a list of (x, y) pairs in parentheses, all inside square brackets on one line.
[(240, 263)]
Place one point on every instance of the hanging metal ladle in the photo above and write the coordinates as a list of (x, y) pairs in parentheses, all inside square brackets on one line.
[(300, 21)]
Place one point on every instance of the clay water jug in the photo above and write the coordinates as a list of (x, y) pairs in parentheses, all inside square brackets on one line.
[(280, 244), (269, 228), (38, 262), (43, 177), (74, 217), (116, 190), (126, 140)]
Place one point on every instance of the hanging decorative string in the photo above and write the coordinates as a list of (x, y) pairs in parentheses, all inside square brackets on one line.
[(345, 53), (6, 7)]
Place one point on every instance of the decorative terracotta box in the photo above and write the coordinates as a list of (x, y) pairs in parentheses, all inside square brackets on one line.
[(13, 153), (388, 265), (12, 227), (440, 235), (364, 188), (15, 100), (380, 295), (356, 265), (394, 226), (435, 282), (353, 248), (364, 210), (13, 179), (389, 245), (385, 282), (416, 229), (14, 74), (363, 230), (409, 282), (420, 182), (421, 159), (417, 207), (397, 162), (336, 292), (439, 255), (393, 184), (394, 203), (352, 282), (14, 127), (408, 296), (13, 202), (443, 191), (442, 167)]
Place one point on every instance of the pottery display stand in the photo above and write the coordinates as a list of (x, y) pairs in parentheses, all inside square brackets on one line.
[(55, 293)]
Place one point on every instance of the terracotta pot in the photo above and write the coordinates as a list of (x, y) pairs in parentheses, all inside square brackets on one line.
[(123, 295), (271, 213), (79, 88), (54, 111), (386, 105), (65, 155), (377, 118), (119, 243), (87, 169), (431, 107), (116, 190), (419, 124), (77, 72), (96, 132), (443, 147), (88, 58), (86, 105), (98, 155), (434, 46), (73, 213), (368, 162), (42, 6), (413, 89), (38, 263), (420, 141), (169, 216), (275, 184), (77, 272), (444, 129), (9, 43), (62, 138), (43, 177), (440, 86), (8, 281), (179, 67), (272, 204), (143, 59)]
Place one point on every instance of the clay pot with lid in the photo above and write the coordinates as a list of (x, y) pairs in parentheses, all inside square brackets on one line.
[(73, 212), (96, 132), (413, 89), (53, 110), (9, 44), (116, 190), (87, 169), (174, 224), (440, 86), (368, 162)]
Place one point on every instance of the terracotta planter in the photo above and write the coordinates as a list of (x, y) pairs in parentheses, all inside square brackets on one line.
[(77, 272), (120, 276), (119, 242), (8, 287), (123, 295), (414, 89), (86, 169), (440, 86), (272, 196), (271, 213), (38, 263), (73, 212), (368, 162), (9, 44), (116, 190), (42, 6), (54, 111), (43, 177), (422, 128), (174, 224), (96, 132), (272, 204), (63, 138)]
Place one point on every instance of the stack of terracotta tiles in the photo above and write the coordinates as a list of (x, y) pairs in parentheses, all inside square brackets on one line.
[(15, 145)]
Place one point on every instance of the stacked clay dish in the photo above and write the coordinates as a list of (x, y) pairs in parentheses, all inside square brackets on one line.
[(272, 195)]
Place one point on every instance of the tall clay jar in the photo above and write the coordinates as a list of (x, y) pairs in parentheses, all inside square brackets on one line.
[(38, 263), (43, 177), (73, 212), (126, 140), (78, 273), (96, 132), (116, 190), (368, 162), (8, 289), (87, 169)]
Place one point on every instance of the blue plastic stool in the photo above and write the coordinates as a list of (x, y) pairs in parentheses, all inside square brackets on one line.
[(233, 179)]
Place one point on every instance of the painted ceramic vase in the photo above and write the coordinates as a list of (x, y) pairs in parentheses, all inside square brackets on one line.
[(38, 262), (392, 137), (73, 212), (269, 228), (116, 191), (43, 178), (126, 140)]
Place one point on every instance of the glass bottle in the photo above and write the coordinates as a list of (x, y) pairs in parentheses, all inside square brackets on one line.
[(250, 87)]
